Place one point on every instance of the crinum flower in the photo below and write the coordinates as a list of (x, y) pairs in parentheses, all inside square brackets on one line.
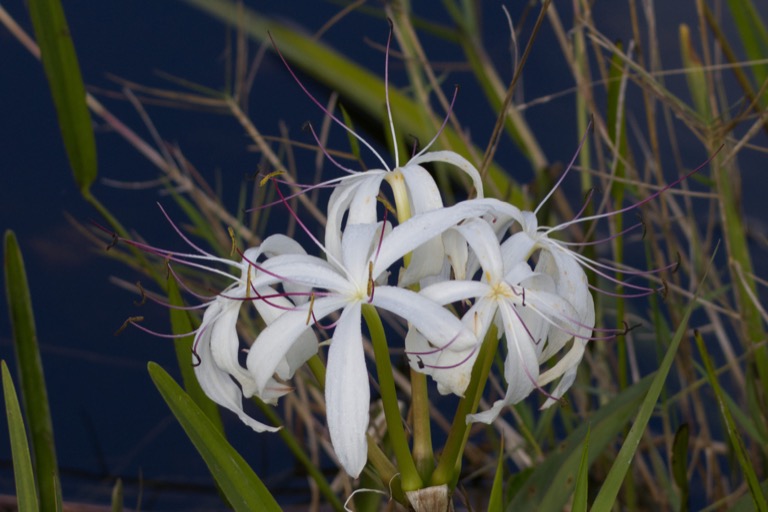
[(355, 279)]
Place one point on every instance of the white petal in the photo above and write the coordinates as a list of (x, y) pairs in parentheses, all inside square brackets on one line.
[(436, 323), (273, 343), (302, 269), (216, 383), (357, 244), (225, 344), (412, 233), (453, 159), (447, 292), (347, 394), (482, 239)]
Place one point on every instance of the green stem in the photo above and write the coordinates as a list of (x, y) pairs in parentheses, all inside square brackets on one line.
[(450, 461), (422, 434), (409, 476)]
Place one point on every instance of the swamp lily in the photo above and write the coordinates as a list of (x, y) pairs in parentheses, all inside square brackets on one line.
[(347, 283)]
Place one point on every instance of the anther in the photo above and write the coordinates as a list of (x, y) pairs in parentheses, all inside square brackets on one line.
[(129, 321), (143, 295), (198, 361), (269, 176), (114, 241), (371, 286)]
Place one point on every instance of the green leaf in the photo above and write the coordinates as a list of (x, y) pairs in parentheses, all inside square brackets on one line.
[(562, 467), (754, 36), (610, 489), (733, 433), (680, 464), (117, 496), (63, 72), (580, 494), (495, 502), (237, 481), (181, 323), (26, 494), (31, 377)]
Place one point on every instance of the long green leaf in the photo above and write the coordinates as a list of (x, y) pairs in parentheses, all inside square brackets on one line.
[(754, 36), (680, 464), (733, 433), (580, 494), (31, 377), (538, 493), (495, 502), (26, 494), (63, 72), (610, 489), (237, 481)]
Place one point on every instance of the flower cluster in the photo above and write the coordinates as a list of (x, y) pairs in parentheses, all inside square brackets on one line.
[(449, 273)]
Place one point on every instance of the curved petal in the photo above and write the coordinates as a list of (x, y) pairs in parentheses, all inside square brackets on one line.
[(412, 233), (276, 340), (347, 393), (453, 158), (482, 239), (436, 323), (302, 269), (225, 344), (216, 383)]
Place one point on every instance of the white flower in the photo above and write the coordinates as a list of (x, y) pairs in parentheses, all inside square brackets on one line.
[(217, 343), (346, 284), (534, 319)]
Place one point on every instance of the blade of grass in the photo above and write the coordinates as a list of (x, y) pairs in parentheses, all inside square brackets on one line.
[(580, 494), (610, 489), (753, 34), (680, 464), (495, 502), (31, 377), (538, 493), (237, 481), (733, 433), (26, 494), (66, 83)]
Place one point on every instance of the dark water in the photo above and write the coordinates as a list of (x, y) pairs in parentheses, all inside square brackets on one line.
[(109, 419)]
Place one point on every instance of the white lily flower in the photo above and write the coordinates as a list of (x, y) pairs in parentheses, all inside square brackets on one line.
[(525, 303), (357, 278)]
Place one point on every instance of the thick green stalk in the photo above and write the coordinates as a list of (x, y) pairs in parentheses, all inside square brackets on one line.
[(408, 474), (450, 459)]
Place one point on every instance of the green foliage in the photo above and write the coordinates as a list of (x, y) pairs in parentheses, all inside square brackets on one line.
[(237, 481), (63, 72), (30, 367), (24, 475)]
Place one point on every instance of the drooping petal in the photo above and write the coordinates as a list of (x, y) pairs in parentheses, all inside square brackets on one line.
[(347, 394), (436, 323), (216, 383), (274, 342), (225, 344), (452, 158), (520, 367), (413, 232)]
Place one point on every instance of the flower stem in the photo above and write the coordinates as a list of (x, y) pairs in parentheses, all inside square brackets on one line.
[(450, 460), (422, 434), (409, 476)]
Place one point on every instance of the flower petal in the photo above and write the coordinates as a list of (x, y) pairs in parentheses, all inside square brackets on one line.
[(347, 393), (216, 383), (276, 340), (452, 158)]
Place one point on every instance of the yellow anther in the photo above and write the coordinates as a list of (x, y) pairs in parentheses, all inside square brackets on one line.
[(269, 176), (232, 237)]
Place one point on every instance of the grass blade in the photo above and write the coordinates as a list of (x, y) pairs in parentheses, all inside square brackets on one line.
[(580, 494), (237, 481), (31, 378), (733, 433), (538, 493), (26, 494), (66, 83), (495, 502), (610, 489), (680, 464)]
